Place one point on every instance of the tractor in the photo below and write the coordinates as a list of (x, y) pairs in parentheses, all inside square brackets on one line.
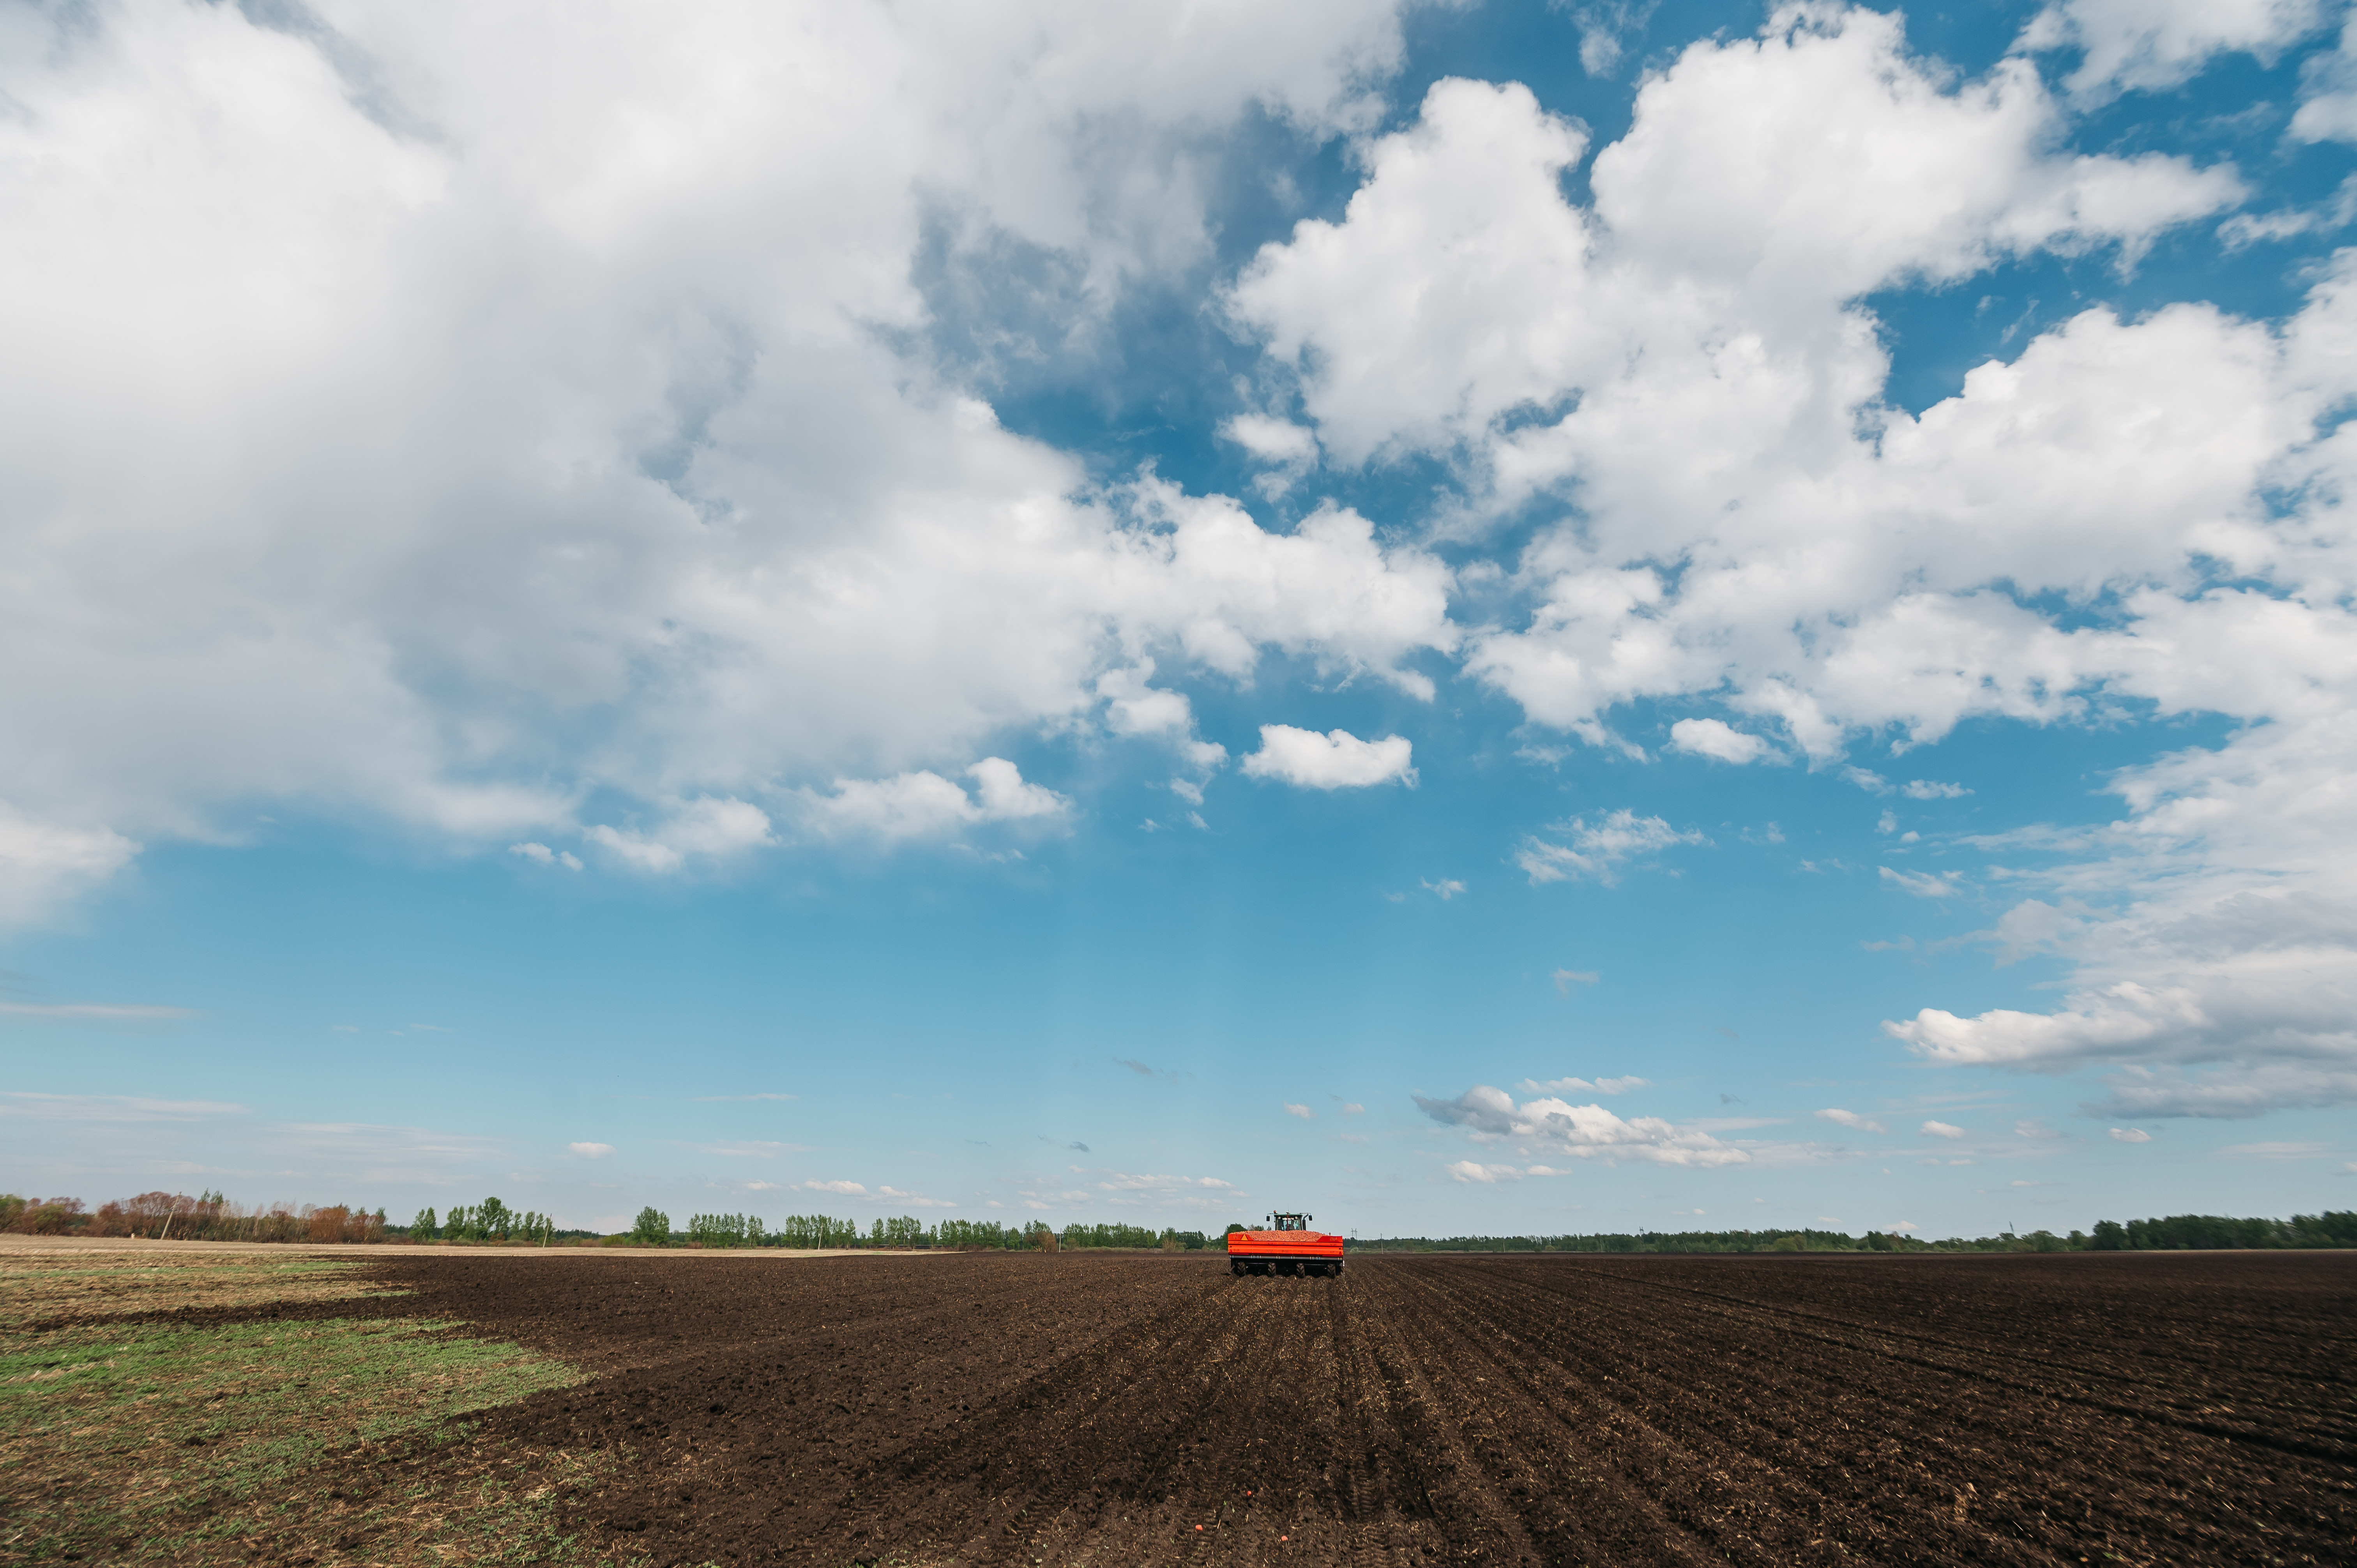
[(1285, 1246)]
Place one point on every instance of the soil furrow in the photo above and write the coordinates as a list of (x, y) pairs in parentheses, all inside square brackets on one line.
[(995, 1410)]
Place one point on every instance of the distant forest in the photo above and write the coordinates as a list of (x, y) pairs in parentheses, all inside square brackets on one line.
[(209, 1217), (177, 1216), (2176, 1233)]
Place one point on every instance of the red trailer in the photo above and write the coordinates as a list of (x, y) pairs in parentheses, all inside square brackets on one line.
[(1287, 1246)]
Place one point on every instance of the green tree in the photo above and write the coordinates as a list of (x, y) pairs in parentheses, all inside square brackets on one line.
[(425, 1228), (653, 1227)]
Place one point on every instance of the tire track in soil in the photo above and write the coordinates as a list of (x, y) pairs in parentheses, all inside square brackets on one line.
[(1420, 1410)]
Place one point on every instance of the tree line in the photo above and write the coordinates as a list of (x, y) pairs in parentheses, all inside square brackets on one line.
[(489, 1220), (175, 1216), (653, 1228), (2178, 1232)]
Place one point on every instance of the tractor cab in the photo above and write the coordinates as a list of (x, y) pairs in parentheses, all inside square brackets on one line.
[(1288, 1222)]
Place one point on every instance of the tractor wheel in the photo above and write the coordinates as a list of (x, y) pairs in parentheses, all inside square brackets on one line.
[(1237, 1268)]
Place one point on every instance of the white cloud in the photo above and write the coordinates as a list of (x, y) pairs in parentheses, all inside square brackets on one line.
[(44, 865), (2158, 44), (1133, 707), (2240, 1089), (2327, 110), (112, 1107), (1564, 979), (712, 828), (94, 1011), (1301, 1110), (1125, 1189), (1474, 1171), (1942, 1130), (2277, 1149), (1929, 789), (1351, 1108), (1852, 1120), (2131, 1135), (1604, 28), (1921, 883), (590, 1151), (1597, 850), (703, 515), (1167, 1185), (1562, 1086), (541, 855), (1715, 739), (839, 1188), (1445, 889), (1272, 440), (1335, 760), (1590, 1132), (924, 804)]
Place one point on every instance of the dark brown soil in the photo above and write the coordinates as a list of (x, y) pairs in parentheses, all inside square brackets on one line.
[(2146, 1409)]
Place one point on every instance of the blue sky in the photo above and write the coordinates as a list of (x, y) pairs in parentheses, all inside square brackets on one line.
[(1474, 618)]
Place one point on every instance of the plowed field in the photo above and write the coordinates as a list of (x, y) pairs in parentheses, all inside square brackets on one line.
[(2160, 1409)]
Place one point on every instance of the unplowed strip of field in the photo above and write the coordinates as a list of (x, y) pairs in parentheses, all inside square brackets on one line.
[(2178, 1409)]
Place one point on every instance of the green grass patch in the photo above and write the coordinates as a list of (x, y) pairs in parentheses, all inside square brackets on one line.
[(58, 1289), (333, 1440)]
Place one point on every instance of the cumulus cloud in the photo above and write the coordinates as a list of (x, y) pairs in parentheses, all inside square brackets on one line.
[(926, 805), (705, 517), (1597, 850), (1445, 889), (2158, 44), (590, 1151), (1852, 1120), (708, 827), (1278, 440), (2131, 1135), (1827, 570), (1589, 1132), (838, 1188), (2327, 110), (1303, 1112), (541, 855), (1942, 1130), (1335, 760), (1717, 739)]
